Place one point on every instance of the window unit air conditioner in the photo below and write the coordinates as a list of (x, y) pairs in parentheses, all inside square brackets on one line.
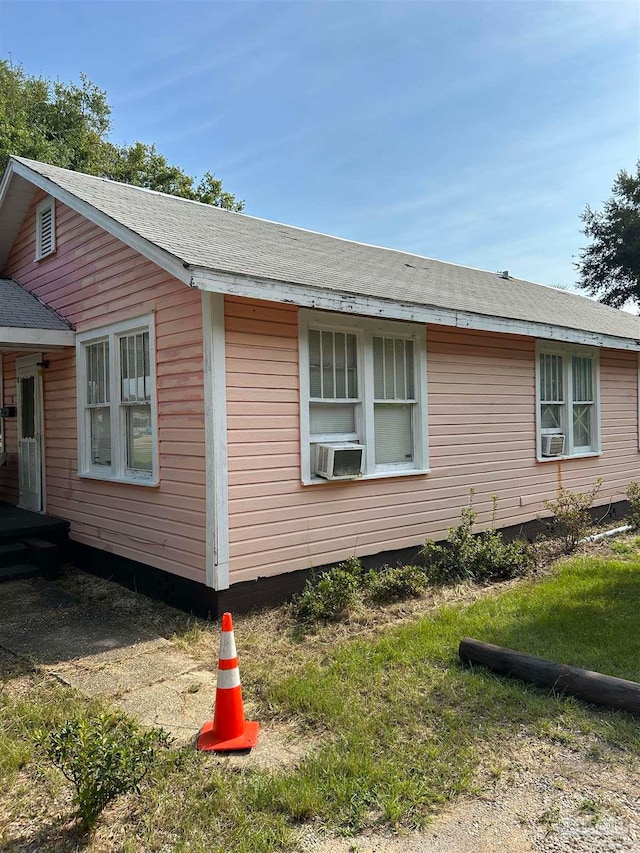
[(552, 445), (339, 461)]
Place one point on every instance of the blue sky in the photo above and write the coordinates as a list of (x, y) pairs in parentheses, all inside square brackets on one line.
[(473, 132)]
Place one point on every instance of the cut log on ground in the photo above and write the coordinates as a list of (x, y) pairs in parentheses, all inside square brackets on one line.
[(590, 686)]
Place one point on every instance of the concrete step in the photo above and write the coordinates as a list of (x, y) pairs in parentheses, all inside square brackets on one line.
[(43, 554), (14, 553), (23, 570)]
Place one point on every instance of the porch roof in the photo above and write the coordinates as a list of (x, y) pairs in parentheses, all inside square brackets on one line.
[(27, 323)]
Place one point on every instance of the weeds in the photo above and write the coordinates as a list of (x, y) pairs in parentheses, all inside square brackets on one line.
[(571, 519), (480, 557), (395, 584), (102, 756), (331, 596), (633, 496)]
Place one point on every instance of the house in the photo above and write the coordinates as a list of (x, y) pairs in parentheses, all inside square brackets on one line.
[(216, 403)]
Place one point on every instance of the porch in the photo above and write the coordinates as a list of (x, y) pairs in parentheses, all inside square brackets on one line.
[(31, 543)]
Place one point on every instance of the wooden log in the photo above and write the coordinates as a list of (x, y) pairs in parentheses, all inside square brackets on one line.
[(583, 683)]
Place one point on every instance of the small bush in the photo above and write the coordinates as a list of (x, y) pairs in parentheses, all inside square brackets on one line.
[(395, 584), (571, 518), (481, 557), (633, 496), (102, 756), (330, 596)]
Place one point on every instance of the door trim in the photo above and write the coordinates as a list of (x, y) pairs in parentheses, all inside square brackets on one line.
[(25, 364)]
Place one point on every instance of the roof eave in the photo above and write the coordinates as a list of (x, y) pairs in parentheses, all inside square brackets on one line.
[(219, 281), (40, 339)]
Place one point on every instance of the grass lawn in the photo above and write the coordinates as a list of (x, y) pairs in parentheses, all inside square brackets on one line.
[(399, 726)]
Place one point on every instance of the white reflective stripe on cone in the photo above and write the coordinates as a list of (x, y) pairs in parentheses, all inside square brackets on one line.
[(228, 678), (227, 646)]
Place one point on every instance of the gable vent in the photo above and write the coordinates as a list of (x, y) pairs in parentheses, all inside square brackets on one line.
[(45, 229)]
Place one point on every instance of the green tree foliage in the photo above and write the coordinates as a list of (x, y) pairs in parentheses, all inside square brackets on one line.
[(68, 125), (610, 266)]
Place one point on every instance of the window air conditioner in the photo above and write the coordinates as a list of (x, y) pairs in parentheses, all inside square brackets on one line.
[(552, 445), (339, 461)]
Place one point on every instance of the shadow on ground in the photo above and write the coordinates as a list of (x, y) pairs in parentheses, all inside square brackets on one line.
[(49, 625), (52, 837)]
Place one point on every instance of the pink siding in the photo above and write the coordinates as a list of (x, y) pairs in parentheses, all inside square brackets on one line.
[(93, 279), (9, 471), (482, 434)]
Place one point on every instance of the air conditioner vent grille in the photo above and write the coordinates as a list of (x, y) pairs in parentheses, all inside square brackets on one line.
[(552, 445), (339, 461)]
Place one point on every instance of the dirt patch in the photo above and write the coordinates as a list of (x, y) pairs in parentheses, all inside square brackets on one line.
[(541, 797)]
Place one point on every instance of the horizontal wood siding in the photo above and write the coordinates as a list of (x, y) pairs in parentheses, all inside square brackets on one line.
[(9, 471), (93, 280), (481, 432)]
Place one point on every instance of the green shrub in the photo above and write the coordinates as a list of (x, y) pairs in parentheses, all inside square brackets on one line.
[(331, 595), (480, 557), (102, 756), (571, 518), (633, 496), (395, 584)]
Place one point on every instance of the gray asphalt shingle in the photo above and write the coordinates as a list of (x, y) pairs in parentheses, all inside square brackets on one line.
[(204, 236), (21, 309)]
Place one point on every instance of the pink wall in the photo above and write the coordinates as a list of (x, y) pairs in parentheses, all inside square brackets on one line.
[(93, 279), (481, 425), (482, 434)]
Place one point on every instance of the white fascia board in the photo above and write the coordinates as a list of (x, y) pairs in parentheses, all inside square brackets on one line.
[(42, 338), (173, 265), (372, 306)]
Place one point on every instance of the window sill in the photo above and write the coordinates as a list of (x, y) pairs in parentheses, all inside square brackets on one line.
[(566, 458), (380, 475), (153, 482)]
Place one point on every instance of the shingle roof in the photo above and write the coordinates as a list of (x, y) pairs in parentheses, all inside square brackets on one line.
[(22, 310), (207, 237)]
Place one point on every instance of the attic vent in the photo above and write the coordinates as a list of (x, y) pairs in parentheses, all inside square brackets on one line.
[(505, 274), (45, 228)]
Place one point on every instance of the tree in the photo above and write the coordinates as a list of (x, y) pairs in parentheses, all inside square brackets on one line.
[(610, 267), (68, 125)]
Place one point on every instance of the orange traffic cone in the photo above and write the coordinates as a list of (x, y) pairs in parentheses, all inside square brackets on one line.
[(228, 731)]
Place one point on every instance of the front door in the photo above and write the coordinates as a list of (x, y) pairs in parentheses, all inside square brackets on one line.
[(29, 399)]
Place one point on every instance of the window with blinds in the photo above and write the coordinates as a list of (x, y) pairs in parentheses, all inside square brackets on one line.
[(135, 399), (116, 389), (568, 397), (333, 385), (394, 400), (45, 228), (97, 402), (363, 382)]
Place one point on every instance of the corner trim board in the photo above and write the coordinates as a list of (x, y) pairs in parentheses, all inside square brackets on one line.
[(215, 419)]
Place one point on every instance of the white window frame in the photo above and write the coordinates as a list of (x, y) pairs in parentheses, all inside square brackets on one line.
[(48, 203), (365, 329), (567, 351), (118, 470)]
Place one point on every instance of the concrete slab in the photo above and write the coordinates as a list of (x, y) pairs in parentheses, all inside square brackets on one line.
[(96, 652), (116, 677), (179, 705)]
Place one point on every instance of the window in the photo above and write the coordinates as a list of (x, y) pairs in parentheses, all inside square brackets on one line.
[(568, 401), (116, 403), (45, 228), (363, 382)]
